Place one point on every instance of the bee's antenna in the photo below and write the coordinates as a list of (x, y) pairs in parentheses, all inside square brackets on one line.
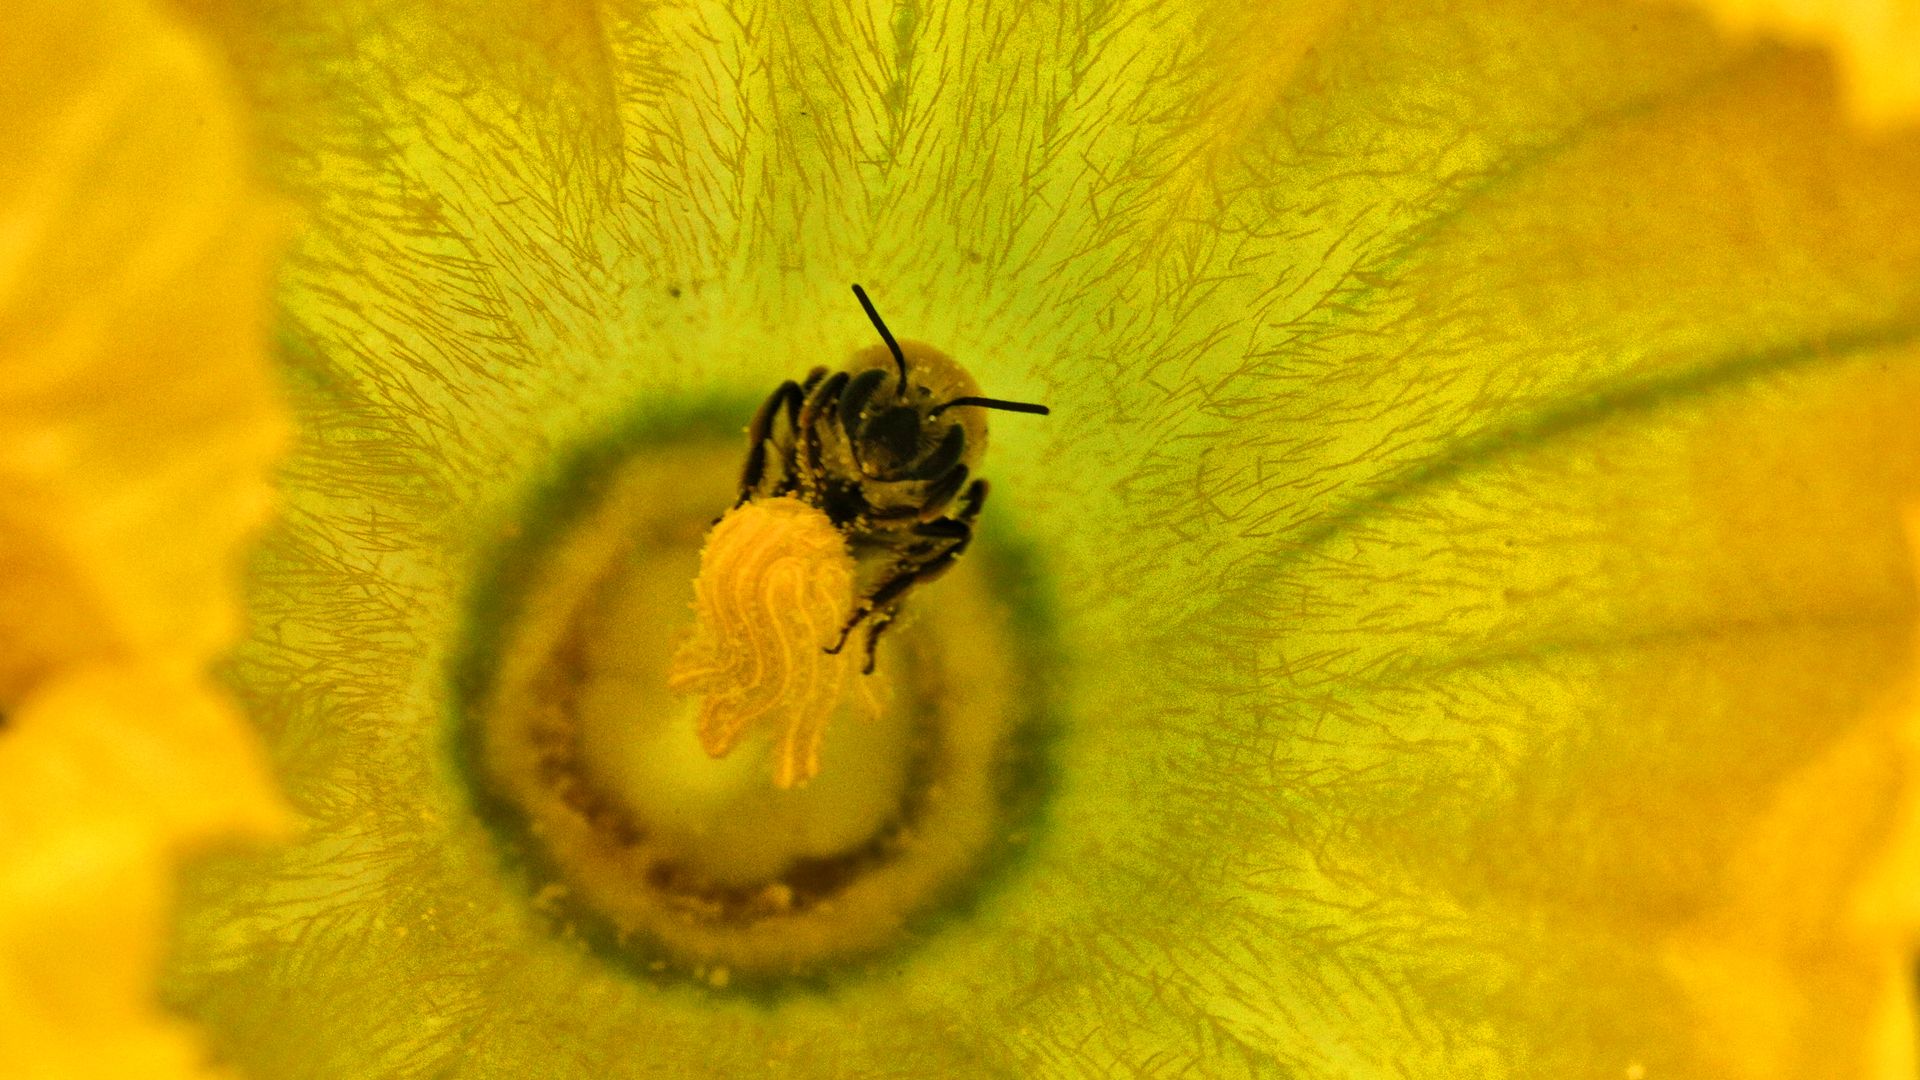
[(992, 403), (899, 358)]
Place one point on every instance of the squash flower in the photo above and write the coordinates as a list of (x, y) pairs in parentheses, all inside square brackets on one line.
[(1457, 619)]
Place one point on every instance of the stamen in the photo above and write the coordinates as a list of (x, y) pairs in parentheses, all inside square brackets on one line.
[(776, 584)]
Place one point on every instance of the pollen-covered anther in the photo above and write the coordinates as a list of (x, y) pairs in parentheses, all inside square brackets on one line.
[(776, 585)]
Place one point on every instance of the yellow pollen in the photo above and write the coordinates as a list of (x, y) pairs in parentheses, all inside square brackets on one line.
[(776, 585)]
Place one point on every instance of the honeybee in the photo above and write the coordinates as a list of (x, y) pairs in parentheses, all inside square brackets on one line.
[(857, 487), (874, 449)]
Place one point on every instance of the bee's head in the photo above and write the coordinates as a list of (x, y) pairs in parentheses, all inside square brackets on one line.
[(902, 434), (892, 442), (895, 410)]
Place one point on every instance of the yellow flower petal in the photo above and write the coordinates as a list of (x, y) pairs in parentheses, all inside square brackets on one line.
[(107, 775), (1804, 964), (1875, 41), (137, 422), (137, 414)]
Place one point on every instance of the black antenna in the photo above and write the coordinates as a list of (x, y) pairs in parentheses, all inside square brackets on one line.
[(992, 403), (899, 358)]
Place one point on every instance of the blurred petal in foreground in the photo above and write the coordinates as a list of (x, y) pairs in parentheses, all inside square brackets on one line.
[(137, 423), (1873, 43)]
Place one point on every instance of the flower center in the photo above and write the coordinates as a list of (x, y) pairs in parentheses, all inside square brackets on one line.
[(600, 779)]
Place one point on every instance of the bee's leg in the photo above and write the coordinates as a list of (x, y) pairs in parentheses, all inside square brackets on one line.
[(858, 392), (786, 397), (940, 493), (942, 458), (821, 396), (825, 395), (948, 528), (974, 501), (880, 622), (847, 630), (914, 571)]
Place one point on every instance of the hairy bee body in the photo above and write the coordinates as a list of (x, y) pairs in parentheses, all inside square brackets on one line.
[(872, 454), (870, 442)]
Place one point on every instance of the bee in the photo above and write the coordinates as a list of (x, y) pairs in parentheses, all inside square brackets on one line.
[(874, 449), (857, 488)]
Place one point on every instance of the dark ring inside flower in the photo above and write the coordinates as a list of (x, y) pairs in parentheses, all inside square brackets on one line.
[(627, 835)]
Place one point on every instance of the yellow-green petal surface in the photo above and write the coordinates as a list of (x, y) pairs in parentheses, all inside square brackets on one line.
[(1473, 497)]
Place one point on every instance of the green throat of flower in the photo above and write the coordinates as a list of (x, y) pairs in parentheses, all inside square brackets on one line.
[(633, 837)]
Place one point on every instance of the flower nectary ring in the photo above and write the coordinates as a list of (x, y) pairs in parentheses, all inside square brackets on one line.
[(600, 779)]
